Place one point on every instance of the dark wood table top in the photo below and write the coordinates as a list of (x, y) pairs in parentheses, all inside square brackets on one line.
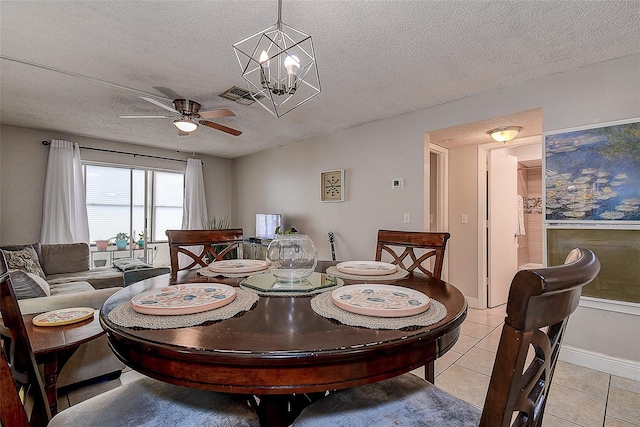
[(52, 339), (281, 346)]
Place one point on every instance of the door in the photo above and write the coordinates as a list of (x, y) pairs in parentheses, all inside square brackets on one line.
[(502, 225)]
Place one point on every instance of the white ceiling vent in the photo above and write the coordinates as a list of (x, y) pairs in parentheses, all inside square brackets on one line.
[(239, 95)]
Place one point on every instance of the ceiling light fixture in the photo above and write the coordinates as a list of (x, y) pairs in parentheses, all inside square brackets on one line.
[(185, 124), (279, 65), (504, 133)]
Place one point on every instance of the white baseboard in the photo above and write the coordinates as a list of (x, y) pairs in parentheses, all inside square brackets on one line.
[(601, 362), (473, 302)]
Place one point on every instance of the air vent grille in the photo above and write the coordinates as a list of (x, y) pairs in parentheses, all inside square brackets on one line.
[(240, 95)]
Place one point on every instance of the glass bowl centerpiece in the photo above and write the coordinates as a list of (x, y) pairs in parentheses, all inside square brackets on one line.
[(291, 257)]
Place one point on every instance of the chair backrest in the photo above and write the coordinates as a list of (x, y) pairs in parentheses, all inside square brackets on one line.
[(401, 244), (539, 305), (202, 247), (17, 353)]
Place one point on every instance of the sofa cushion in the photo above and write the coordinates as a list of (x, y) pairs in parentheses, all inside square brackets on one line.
[(65, 258), (102, 277), (71, 288), (25, 258), (28, 285)]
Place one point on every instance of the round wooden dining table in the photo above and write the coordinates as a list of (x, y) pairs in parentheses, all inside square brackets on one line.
[(281, 351)]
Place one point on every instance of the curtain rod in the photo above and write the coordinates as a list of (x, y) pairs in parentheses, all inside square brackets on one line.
[(124, 152)]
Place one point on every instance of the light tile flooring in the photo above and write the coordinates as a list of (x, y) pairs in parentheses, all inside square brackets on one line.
[(578, 397)]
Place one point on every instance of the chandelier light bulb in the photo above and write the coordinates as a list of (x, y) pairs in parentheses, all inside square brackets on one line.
[(264, 59), (292, 63)]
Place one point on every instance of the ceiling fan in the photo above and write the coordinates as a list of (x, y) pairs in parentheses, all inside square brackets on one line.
[(189, 117)]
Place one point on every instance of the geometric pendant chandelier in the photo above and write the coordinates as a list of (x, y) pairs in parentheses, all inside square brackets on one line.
[(279, 66)]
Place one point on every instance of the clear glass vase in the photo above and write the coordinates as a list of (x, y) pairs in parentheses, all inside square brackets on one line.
[(291, 258)]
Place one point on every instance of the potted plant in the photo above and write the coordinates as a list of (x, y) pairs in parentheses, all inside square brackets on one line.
[(121, 240), (101, 245), (141, 240), (219, 224)]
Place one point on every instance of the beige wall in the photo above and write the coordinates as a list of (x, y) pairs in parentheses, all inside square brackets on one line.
[(286, 179), (23, 167)]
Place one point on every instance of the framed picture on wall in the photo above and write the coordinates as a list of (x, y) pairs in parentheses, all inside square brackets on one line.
[(592, 174), (332, 186)]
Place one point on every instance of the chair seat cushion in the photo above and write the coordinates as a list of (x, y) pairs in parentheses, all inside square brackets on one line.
[(401, 401), (149, 402)]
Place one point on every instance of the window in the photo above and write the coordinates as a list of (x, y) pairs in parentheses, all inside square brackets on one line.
[(121, 199)]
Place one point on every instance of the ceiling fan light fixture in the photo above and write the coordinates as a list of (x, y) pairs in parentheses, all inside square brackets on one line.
[(185, 124), (504, 133), (279, 66)]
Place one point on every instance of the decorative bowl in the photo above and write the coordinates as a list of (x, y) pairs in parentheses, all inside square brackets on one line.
[(291, 258)]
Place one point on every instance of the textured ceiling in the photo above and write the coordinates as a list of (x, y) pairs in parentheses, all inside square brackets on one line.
[(375, 59)]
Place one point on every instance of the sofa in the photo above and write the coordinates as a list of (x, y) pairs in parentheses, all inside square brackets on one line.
[(51, 277)]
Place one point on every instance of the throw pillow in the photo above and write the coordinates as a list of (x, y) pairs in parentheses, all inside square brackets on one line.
[(41, 282), (128, 264), (24, 259), (27, 285)]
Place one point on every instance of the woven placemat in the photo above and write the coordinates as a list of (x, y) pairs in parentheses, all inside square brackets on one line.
[(399, 274), (125, 315), (290, 294), (324, 306), (208, 273)]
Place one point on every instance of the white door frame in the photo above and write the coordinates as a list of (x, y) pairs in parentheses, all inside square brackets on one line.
[(442, 220), (482, 209)]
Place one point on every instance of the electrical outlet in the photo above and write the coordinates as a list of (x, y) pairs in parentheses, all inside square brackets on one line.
[(465, 219), (407, 218)]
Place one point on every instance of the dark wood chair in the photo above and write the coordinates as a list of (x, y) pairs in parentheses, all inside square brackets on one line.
[(201, 247), (145, 401), (403, 244), (539, 305), (32, 408)]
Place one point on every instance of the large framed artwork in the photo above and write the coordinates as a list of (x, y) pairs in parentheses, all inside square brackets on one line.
[(592, 174)]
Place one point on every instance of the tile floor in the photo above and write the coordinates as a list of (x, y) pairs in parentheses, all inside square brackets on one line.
[(578, 397)]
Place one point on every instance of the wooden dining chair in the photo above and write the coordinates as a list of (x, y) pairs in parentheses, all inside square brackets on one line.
[(539, 305), (144, 401), (200, 247), (24, 381), (403, 244)]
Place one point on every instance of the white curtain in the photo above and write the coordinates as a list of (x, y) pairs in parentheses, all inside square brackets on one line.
[(64, 210), (194, 213)]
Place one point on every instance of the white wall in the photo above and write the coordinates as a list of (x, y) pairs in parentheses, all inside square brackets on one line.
[(24, 163), (286, 179)]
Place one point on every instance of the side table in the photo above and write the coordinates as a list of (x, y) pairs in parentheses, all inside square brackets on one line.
[(54, 345)]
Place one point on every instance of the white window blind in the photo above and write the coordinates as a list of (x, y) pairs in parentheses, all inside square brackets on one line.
[(116, 201)]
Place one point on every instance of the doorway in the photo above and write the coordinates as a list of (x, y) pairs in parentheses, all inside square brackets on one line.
[(513, 242), (436, 190)]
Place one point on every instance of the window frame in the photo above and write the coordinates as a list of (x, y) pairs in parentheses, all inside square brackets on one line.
[(149, 193)]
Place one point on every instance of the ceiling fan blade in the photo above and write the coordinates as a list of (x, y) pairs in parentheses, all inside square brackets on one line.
[(221, 127), (159, 104), (146, 117), (214, 114), (168, 92)]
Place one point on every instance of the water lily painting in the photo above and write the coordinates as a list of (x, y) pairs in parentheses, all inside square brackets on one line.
[(593, 174)]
